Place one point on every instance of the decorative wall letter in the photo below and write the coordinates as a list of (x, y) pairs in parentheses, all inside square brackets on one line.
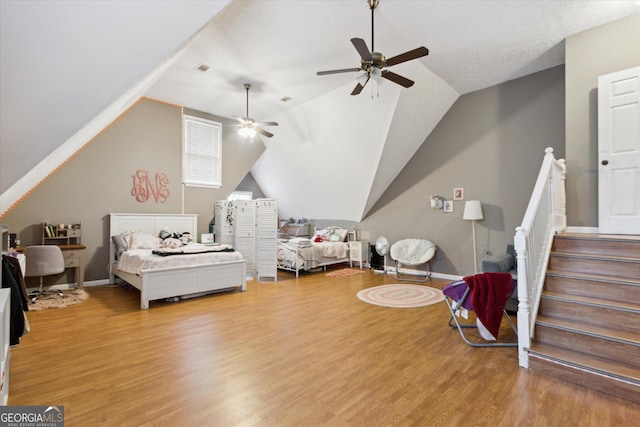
[(143, 187)]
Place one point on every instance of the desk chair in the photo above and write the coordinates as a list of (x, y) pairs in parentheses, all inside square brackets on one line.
[(43, 260)]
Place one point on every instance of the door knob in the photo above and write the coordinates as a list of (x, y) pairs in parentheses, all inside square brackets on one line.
[(605, 162)]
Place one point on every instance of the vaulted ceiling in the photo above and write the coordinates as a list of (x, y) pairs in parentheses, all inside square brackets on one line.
[(68, 68)]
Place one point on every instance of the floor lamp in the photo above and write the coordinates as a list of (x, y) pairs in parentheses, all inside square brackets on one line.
[(473, 212)]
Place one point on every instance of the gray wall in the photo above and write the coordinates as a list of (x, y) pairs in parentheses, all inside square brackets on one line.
[(98, 180), (491, 143), (590, 54)]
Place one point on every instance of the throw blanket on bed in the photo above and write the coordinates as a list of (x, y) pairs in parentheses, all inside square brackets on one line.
[(193, 248), (299, 242), (489, 293), (333, 249)]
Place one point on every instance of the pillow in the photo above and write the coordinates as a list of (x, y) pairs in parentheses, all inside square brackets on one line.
[(321, 235), (171, 243), (342, 233), (335, 238), (120, 244), (143, 241)]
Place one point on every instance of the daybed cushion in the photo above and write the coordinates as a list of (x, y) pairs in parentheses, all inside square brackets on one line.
[(413, 251)]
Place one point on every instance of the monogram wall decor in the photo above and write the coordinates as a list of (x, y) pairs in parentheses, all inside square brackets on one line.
[(144, 186)]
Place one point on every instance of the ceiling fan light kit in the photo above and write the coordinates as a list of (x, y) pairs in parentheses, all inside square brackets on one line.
[(249, 127), (373, 63)]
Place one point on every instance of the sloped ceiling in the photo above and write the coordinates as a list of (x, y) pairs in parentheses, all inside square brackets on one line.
[(68, 68)]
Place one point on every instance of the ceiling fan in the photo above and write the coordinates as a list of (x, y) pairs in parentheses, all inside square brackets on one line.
[(248, 126), (373, 63)]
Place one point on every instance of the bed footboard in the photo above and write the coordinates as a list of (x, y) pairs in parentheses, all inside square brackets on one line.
[(184, 281)]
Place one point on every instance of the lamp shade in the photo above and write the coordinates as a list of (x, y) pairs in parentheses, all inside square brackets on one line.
[(472, 210)]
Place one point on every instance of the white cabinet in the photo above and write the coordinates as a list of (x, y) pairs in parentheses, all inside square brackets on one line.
[(5, 351), (267, 239)]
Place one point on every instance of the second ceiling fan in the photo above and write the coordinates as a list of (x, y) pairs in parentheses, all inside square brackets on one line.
[(373, 63)]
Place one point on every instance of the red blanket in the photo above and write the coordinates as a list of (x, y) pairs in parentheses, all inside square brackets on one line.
[(489, 293)]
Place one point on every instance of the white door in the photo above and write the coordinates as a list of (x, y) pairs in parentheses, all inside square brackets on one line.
[(619, 152)]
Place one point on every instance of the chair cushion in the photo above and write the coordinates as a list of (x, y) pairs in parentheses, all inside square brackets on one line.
[(498, 264), (413, 251)]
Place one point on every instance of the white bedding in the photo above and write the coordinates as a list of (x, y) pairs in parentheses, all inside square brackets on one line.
[(311, 255), (134, 261), (333, 249)]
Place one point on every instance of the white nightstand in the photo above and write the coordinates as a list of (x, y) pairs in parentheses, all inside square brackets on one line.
[(358, 252)]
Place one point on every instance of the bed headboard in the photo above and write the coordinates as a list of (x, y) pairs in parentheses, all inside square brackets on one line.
[(151, 224)]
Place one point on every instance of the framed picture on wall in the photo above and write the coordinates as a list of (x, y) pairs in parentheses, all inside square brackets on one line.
[(448, 206), (458, 194)]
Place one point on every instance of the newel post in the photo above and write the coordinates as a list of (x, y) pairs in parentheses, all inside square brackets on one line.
[(524, 307)]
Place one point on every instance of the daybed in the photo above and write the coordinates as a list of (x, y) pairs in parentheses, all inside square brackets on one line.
[(182, 276), (326, 247)]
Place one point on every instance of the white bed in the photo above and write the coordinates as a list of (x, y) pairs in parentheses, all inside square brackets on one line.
[(300, 254), (175, 281)]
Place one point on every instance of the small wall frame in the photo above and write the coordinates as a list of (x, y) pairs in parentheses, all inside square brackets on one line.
[(458, 193)]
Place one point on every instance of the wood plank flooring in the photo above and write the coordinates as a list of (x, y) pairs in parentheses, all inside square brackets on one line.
[(298, 352)]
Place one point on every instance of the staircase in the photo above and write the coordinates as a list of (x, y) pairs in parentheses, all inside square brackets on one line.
[(588, 326)]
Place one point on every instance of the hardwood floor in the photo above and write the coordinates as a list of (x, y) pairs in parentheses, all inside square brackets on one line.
[(298, 352)]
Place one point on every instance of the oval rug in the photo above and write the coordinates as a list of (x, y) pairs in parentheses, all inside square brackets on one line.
[(401, 295)]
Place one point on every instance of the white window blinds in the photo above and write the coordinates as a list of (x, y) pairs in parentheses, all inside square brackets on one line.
[(202, 152)]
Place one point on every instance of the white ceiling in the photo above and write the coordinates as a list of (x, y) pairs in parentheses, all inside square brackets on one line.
[(63, 63)]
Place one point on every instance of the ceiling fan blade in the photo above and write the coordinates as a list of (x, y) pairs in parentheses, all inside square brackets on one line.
[(264, 132), (357, 89), (344, 70), (396, 78), (407, 56), (363, 50), (266, 123)]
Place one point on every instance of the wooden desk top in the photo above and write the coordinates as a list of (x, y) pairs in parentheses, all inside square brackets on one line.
[(76, 246)]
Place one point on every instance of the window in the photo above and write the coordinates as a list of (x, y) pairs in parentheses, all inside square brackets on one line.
[(202, 152)]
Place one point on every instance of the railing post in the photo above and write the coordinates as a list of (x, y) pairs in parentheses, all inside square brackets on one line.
[(524, 308), (559, 174)]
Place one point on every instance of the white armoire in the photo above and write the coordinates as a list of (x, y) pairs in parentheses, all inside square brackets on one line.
[(251, 227)]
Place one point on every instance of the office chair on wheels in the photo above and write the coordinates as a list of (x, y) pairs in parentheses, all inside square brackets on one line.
[(43, 260)]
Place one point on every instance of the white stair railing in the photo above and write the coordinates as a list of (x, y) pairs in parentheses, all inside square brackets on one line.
[(545, 216)]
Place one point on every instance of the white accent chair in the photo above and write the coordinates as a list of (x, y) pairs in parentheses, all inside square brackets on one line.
[(413, 253)]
